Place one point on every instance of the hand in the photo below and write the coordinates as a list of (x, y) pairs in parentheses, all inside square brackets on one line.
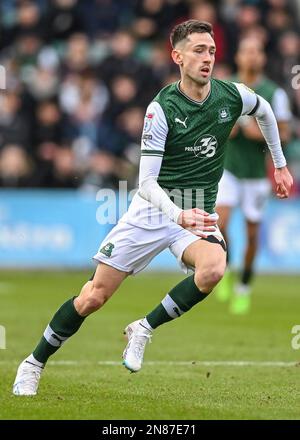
[(284, 182), (197, 221)]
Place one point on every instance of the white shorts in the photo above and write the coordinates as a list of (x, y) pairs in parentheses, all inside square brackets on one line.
[(141, 234), (250, 194)]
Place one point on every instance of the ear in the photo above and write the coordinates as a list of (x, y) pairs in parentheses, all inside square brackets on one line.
[(177, 57)]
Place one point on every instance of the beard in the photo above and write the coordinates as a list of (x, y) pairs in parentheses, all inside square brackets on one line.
[(201, 81)]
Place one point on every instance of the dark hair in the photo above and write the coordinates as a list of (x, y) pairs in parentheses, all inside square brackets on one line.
[(182, 30)]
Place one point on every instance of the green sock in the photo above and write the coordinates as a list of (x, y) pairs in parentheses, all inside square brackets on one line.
[(178, 301), (64, 324)]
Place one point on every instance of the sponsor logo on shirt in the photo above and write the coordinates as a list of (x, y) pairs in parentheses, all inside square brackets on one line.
[(206, 146)]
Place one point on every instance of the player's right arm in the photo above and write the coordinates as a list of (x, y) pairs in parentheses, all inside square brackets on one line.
[(152, 150)]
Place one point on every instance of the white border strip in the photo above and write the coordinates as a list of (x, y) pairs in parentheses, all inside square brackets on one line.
[(176, 363)]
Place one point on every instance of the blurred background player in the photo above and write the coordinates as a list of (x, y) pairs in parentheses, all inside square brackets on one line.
[(245, 182)]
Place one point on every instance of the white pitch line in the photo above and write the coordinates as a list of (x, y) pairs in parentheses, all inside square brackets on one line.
[(177, 363)]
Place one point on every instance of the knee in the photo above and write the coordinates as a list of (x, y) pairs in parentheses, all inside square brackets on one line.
[(206, 279), (98, 296), (92, 299), (93, 303)]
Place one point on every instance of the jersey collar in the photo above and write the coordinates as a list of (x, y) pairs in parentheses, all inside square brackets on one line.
[(190, 99)]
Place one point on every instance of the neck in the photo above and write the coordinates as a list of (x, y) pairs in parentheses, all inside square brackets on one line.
[(249, 78), (193, 90)]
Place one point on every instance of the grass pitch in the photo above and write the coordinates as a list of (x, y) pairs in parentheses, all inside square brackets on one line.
[(206, 365)]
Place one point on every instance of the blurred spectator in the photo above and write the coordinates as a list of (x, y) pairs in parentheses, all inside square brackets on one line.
[(84, 99), (84, 96), (57, 168), (246, 19), (64, 173), (102, 172), (121, 59), (48, 128), (15, 167), (104, 17), (25, 51), (42, 83), (206, 11), (62, 20), (13, 124), (130, 124), (123, 93), (29, 19), (76, 59), (160, 62), (151, 17)]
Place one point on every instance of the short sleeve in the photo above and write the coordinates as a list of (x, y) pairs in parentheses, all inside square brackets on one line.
[(249, 99), (155, 131)]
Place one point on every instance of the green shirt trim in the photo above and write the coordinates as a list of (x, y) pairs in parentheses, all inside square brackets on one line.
[(152, 153)]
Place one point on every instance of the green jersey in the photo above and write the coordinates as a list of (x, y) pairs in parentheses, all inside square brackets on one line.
[(246, 158), (190, 137)]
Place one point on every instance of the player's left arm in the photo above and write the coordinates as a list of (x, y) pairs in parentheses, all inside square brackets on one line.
[(256, 106)]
